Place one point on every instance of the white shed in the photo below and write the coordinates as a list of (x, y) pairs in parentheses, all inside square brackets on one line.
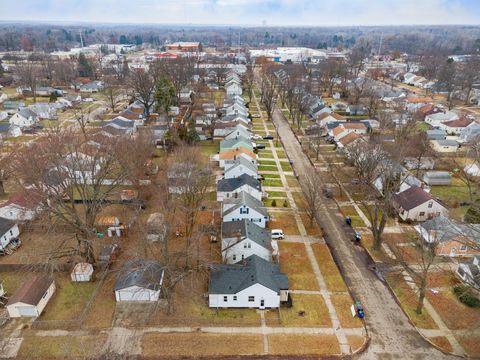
[(32, 297), (82, 272)]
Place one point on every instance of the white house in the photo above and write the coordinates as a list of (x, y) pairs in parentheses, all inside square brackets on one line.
[(472, 169), (241, 239), (233, 89), (238, 167), (139, 280), (237, 132), (415, 204), (231, 188), (245, 207), (24, 118), (471, 132), (455, 127), (8, 231), (251, 283), (444, 146), (17, 208), (32, 297)]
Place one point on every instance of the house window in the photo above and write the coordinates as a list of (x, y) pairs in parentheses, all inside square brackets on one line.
[(422, 213), (251, 298), (11, 233), (249, 245), (463, 248), (225, 298), (245, 245), (235, 298), (430, 204), (244, 210), (234, 257)]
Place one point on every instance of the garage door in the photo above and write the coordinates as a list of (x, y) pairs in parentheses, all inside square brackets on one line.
[(134, 295), (27, 310)]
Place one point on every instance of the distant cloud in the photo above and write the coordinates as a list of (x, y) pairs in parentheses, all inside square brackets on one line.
[(248, 12)]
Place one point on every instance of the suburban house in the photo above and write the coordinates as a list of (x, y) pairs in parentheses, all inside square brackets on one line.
[(415, 103), (444, 146), (436, 134), (241, 239), (120, 126), (472, 169), (415, 204), (139, 280), (91, 87), (250, 283), (471, 132), (346, 141), (343, 129), (233, 154), (425, 163), (237, 132), (44, 110), (450, 237), (469, 271), (238, 167), (24, 118), (228, 188), (222, 128), (245, 206), (32, 297), (17, 208), (324, 118), (230, 144), (437, 178), (455, 127), (8, 231), (233, 88), (440, 117)]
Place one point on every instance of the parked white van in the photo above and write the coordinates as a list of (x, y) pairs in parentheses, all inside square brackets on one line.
[(277, 234)]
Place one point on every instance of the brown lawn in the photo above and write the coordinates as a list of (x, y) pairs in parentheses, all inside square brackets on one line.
[(407, 297), (471, 344), (103, 307), (201, 344), (285, 221), (307, 311), (455, 314), (287, 344), (355, 342), (62, 347), (313, 230), (329, 270), (342, 304), (294, 262), (442, 342)]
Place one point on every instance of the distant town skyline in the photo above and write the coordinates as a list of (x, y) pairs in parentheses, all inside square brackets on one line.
[(247, 12)]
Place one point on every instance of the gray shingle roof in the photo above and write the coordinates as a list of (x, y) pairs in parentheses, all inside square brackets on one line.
[(142, 273), (240, 161), (235, 183), (5, 225), (245, 199), (445, 229), (244, 229), (231, 279), (230, 143)]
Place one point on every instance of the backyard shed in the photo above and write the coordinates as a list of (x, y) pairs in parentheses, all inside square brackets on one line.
[(32, 297), (82, 272), (437, 178)]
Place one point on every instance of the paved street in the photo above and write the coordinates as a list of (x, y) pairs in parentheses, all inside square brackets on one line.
[(393, 337)]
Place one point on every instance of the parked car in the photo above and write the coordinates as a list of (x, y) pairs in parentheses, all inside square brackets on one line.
[(277, 234), (268, 137), (260, 146), (256, 137)]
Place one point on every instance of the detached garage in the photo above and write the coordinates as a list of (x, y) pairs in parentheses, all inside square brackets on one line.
[(32, 297), (139, 280)]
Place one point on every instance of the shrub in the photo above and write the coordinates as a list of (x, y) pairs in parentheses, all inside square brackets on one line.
[(274, 203), (464, 294), (285, 203)]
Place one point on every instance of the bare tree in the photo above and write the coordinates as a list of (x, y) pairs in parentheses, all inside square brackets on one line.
[(179, 71), (312, 194), (448, 78), (249, 82), (419, 263), (6, 169), (29, 75), (143, 85), (268, 95), (70, 177), (469, 75), (113, 91)]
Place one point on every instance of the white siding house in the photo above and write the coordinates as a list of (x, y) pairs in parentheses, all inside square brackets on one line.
[(251, 283), (240, 166), (233, 89), (231, 188), (415, 204), (8, 230), (245, 207)]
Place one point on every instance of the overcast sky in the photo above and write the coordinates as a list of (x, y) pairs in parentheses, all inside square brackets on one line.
[(247, 12)]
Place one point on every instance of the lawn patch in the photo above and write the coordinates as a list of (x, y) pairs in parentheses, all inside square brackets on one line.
[(342, 304), (307, 311), (355, 342), (285, 221), (200, 344), (328, 268), (471, 344), (103, 307), (276, 194), (442, 342), (292, 181), (294, 262), (288, 344)]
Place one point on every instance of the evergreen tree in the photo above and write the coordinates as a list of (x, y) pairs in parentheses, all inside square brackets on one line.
[(164, 94), (85, 69)]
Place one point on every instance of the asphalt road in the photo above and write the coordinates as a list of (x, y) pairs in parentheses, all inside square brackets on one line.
[(392, 336)]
